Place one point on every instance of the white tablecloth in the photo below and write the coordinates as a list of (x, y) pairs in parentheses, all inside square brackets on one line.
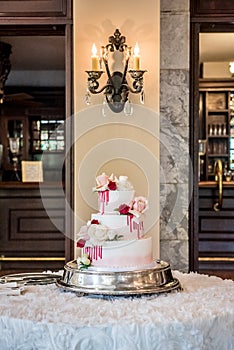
[(201, 317)]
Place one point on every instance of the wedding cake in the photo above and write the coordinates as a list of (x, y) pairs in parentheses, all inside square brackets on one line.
[(114, 253), (114, 238)]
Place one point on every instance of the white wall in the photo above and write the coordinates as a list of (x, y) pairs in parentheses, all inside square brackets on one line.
[(116, 143)]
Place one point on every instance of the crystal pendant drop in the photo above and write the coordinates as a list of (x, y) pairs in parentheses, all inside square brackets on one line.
[(128, 108), (104, 108), (87, 98), (142, 96)]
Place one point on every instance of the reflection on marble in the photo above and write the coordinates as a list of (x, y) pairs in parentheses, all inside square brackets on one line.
[(174, 227), (176, 253), (174, 96), (174, 205)]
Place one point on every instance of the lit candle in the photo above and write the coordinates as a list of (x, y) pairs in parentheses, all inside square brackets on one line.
[(136, 57), (95, 58)]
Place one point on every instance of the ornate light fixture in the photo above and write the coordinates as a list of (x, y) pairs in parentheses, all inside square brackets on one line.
[(5, 66), (117, 89), (231, 68), (14, 143)]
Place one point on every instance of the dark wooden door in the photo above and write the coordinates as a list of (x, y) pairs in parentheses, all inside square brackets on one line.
[(26, 229), (211, 233)]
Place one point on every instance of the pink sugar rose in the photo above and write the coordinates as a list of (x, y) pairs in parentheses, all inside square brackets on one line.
[(102, 180), (140, 204)]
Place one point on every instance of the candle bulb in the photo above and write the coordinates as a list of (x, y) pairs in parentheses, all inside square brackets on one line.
[(95, 58), (136, 57)]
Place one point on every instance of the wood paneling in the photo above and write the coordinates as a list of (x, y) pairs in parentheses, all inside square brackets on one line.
[(30, 230), (212, 8), (35, 8), (216, 231)]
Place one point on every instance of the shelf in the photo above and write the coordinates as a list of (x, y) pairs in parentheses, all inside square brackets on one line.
[(28, 185), (217, 155), (37, 130), (215, 113), (217, 110), (218, 136), (215, 184)]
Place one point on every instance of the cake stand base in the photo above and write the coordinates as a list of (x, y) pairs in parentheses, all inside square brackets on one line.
[(100, 282)]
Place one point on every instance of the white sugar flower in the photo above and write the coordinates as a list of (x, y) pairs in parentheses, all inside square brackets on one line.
[(83, 261), (111, 234), (97, 234)]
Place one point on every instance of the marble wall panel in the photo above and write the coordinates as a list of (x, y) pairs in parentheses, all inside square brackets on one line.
[(176, 253), (174, 96), (175, 5), (174, 40), (174, 206), (174, 133)]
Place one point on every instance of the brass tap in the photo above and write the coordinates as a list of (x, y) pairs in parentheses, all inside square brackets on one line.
[(218, 168)]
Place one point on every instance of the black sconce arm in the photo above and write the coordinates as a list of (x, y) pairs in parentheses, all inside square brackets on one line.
[(116, 89)]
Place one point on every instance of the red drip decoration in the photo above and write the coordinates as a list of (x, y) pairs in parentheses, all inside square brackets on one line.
[(136, 226), (94, 253), (103, 197), (129, 221)]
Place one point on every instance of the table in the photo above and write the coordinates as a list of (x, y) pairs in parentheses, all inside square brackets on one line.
[(201, 317)]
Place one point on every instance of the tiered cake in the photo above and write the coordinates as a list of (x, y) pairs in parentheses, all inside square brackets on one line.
[(115, 254), (114, 237)]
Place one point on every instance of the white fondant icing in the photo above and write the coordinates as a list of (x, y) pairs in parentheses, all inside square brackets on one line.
[(129, 228), (109, 202), (125, 253)]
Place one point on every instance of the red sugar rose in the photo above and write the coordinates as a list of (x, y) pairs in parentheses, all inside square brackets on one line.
[(112, 185), (94, 222), (80, 243), (123, 209)]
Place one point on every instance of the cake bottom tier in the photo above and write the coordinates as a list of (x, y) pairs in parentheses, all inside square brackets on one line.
[(157, 278), (126, 253)]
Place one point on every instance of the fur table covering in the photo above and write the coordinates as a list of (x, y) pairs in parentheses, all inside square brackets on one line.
[(201, 317)]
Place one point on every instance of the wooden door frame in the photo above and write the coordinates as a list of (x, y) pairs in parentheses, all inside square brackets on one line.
[(193, 137), (69, 166), (66, 31), (197, 26)]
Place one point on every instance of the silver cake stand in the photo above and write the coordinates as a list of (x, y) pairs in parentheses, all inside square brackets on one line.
[(157, 278)]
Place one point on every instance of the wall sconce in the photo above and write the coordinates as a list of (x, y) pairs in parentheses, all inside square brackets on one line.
[(117, 89), (231, 68)]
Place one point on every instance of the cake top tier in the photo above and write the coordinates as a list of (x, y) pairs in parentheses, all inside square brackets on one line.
[(112, 183), (117, 196)]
